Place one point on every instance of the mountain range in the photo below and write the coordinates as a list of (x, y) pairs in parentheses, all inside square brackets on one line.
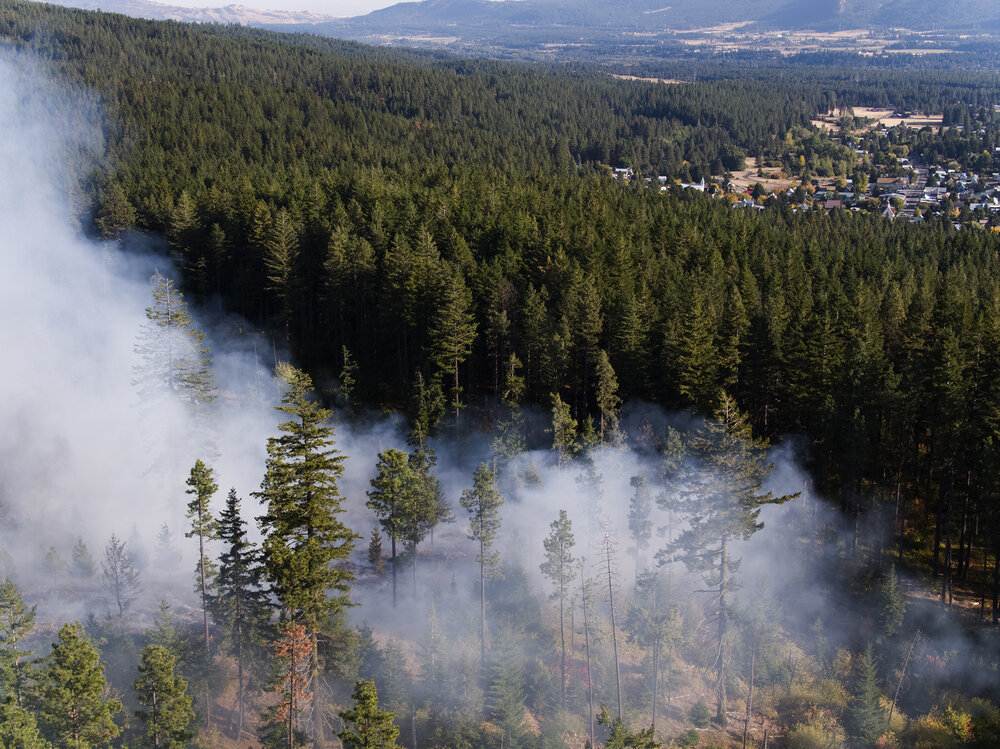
[(472, 24)]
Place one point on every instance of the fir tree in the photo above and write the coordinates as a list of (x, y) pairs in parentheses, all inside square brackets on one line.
[(892, 604), (83, 560), (607, 397), (864, 718), (453, 330), (483, 502), (167, 555), (74, 710), (239, 605), (375, 551), (17, 621), (164, 696), (620, 738), (303, 534), (367, 727)]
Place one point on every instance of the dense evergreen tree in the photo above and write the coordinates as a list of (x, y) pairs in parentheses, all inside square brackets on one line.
[(303, 534), (163, 694), (75, 711), (366, 725), (392, 498), (240, 606), (17, 621)]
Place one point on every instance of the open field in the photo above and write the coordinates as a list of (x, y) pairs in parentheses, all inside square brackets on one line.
[(885, 117)]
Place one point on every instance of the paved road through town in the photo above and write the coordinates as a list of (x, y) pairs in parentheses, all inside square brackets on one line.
[(916, 189)]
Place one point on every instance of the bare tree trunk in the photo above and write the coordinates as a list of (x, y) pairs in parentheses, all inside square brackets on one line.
[(720, 706), (393, 537), (614, 630), (656, 680), (746, 720), (562, 643), (590, 671), (319, 725), (482, 596)]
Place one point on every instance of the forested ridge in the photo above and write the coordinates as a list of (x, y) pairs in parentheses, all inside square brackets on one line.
[(444, 237)]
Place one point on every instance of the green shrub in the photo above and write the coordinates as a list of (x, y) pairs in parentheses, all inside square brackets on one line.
[(814, 735), (700, 715), (688, 738)]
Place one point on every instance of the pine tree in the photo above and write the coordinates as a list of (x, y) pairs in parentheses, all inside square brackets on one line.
[(392, 497), (174, 356), (722, 504), (240, 606), (563, 430), (202, 488), (453, 330), (116, 214), (483, 502), (18, 727), (168, 710), (74, 711), (367, 727), (166, 555), (303, 535), (558, 567), (83, 560), (121, 579), (17, 621), (607, 397)]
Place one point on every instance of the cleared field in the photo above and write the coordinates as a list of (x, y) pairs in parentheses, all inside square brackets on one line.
[(885, 117)]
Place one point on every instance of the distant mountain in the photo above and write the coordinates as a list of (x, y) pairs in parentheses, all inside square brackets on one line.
[(523, 23), (228, 14), (550, 29)]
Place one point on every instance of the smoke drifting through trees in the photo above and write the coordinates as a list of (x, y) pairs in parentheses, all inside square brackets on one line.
[(76, 465)]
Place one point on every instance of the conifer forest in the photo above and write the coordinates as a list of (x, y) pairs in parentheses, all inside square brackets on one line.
[(360, 396)]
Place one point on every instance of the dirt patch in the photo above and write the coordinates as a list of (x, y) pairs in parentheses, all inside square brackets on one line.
[(647, 80)]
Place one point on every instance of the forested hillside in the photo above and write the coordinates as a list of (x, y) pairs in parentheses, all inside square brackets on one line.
[(444, 237)]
